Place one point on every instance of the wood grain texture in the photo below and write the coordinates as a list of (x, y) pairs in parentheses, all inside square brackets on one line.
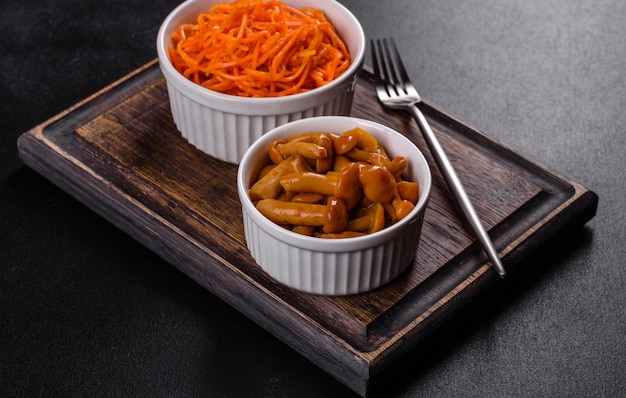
[(120, 153)]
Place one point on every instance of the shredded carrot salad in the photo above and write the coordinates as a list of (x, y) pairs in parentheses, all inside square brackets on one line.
[(257, 48)]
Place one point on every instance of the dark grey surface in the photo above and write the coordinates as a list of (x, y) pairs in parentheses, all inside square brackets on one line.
[(86, 311)]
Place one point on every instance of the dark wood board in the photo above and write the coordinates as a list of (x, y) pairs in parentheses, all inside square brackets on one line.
[(119, 153)]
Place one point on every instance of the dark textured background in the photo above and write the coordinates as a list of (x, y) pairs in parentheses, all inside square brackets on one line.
[(86, 311)]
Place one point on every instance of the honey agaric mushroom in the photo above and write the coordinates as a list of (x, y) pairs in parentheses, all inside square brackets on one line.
[(268, 187)]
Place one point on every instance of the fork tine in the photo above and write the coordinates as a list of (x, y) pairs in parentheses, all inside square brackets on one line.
[(380, 73), (404, 76), (390, 62), (389, 70), (377, 75), (398, 74)]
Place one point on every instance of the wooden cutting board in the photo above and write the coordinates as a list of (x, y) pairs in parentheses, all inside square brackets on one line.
[(119, 153)]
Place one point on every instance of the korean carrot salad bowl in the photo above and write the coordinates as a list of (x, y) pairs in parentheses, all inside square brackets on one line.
[(235, 70)]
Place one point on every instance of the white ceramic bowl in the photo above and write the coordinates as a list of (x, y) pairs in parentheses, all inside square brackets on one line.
[(327, 266), (224, 126)]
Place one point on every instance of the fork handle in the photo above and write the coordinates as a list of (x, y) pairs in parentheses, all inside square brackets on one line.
[(457, 188)]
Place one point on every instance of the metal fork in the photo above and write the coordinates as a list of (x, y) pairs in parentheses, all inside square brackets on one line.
[(395, 90)]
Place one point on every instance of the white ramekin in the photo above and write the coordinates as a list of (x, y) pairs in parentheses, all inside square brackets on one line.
[(224, 126), (327, 266)]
